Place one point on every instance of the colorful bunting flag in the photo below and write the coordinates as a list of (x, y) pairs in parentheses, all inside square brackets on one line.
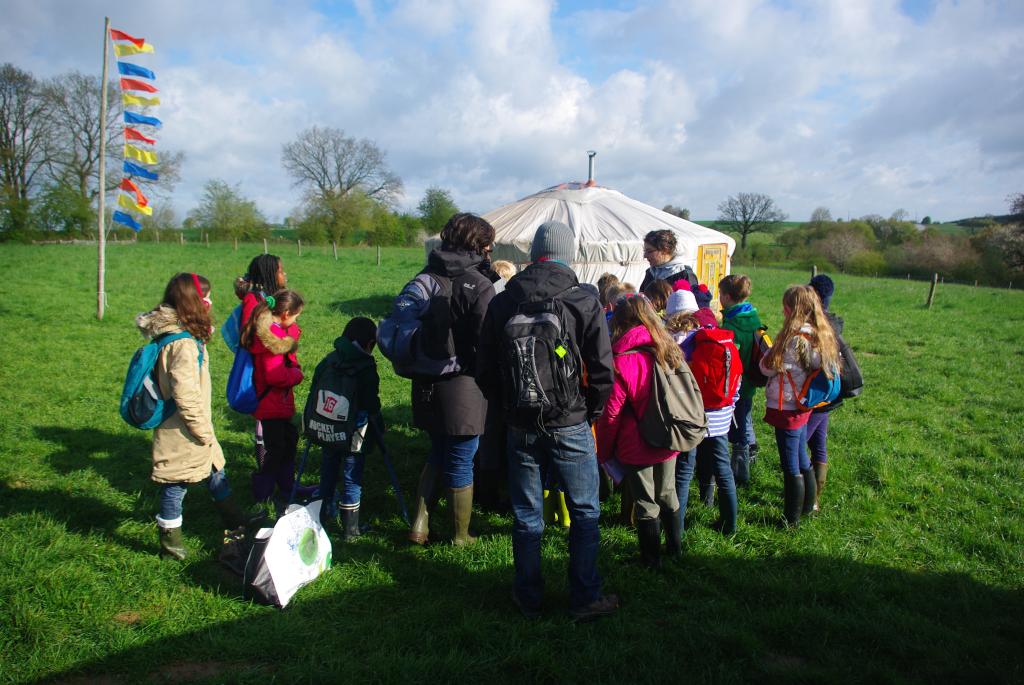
[(140, 199), (122, 49), (133, 134), (121, 35), (135, 84), (128, 203), (129, 69), (140, 101), (128, 220), (135, 118), (133, 169), (141, 155)]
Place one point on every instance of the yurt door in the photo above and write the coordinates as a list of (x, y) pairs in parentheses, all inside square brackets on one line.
[(712, 265)]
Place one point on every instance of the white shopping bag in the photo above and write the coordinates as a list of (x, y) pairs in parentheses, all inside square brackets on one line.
[(286, 557)]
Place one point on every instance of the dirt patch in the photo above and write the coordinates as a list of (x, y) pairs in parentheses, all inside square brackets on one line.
[(128, 618)]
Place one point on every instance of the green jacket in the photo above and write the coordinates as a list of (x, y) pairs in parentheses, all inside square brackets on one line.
[(743, 321)]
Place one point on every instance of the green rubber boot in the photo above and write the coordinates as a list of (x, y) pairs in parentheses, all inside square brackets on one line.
[(171, 544)]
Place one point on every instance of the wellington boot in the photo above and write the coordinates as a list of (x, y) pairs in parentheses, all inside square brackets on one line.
[(671, 523), (627, 510), (820, 475), (707, 494), (549, 505), (171, 544), (793, 488), (562, 513), (425, 499), (649, 533), (810, 492), (233, 517), (461, 502), (350, 524)]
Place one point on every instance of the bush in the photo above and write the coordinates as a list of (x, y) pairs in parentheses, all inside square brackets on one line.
[(867, 263)]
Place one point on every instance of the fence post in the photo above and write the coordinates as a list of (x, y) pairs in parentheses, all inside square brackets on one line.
[(236, 244), (264, 246), (378, 255), (908, 277), (335, 245), (931, 290), (299, 241), (181, 237), (814, 270), (207, 238), (156, 232), (975, 282)]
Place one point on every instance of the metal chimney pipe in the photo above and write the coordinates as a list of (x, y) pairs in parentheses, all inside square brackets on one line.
[(590, 167)]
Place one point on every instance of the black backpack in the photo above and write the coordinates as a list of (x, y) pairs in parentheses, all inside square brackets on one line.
[(851, 382), (329, 418), (416, 337), (540, 362)]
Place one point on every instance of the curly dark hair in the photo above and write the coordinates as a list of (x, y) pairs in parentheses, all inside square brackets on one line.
[(662, 241), (262, 273), (465, 231)]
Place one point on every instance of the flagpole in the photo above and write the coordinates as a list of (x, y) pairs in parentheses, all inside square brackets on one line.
[(101, 294)]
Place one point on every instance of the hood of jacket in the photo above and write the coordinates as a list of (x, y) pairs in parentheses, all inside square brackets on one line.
[(742, 317), (541, 281), (638, 336), (350, 354), (452, 263), (163, 319), (669, 268), (269, 340)]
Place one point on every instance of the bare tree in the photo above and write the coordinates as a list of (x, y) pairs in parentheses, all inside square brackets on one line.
[(23, 132), (330, 165), (681, 212), (820, 215), (1016, 201), (748, 213)]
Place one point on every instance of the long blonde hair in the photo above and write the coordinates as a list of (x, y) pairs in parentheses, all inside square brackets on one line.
[(803, 306), (634, 311)]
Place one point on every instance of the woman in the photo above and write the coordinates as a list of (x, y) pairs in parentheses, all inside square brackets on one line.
[(660, 253), (452, 409)]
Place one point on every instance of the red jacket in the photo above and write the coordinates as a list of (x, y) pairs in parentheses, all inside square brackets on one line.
[(617, 431), (276, 367)]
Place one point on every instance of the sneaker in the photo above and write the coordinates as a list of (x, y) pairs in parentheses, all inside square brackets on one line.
[(528, 613), (605, 605)]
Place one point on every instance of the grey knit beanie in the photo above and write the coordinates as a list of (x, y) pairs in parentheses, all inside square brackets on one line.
[(553, 240)]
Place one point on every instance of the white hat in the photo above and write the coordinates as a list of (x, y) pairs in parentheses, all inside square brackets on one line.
[(680, 301)]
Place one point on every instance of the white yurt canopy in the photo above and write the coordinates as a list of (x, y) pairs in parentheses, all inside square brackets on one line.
[(609, 228)]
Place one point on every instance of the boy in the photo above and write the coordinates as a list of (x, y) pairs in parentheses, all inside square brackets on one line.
[(353, 354), (740, 317)]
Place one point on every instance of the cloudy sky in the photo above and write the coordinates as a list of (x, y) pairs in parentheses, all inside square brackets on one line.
[(862, 106)]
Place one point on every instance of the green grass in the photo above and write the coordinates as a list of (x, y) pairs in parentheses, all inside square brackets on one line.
[(912, 572)]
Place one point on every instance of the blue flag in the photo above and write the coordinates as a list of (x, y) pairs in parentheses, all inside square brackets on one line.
[(133, 169), (128, 220), (133, 118), (129, 69)]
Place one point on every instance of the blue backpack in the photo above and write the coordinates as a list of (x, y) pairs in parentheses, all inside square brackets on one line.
[(142, 405), (417, 336), (231, 331), (242, 395), (818, 389)]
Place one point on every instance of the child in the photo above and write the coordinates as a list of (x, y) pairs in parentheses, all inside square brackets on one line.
[(265, 276), (353, 352), (657, 294), (505, 270), (740, 317), (804, 344), (605, 281), (272, 337), (705, 314), (817, 425), (639, 341), (185, 449)]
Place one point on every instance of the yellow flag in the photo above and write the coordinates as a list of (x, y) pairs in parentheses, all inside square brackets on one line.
[(128, 203), (138, 100), (122, 49), (140, 154)]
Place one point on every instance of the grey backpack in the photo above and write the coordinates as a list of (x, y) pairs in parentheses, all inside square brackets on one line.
[(674, 418)]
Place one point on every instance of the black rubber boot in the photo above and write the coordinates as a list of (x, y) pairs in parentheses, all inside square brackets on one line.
[(171, 544), (707, 494), (233, 517), (670, 523), (649, 533), (810, 491), (350, 524), (793, 488)]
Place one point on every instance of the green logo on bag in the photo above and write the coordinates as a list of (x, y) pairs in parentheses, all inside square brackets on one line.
[(308, 547)]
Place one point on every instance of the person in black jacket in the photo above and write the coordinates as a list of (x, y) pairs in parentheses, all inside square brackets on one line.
[(559, 438), (660, 253), (817, 425), (452, 409)]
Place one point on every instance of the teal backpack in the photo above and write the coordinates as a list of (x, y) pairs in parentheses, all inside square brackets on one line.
[(142, 405)]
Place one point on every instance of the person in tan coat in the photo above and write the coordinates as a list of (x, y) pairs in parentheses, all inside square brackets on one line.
[(185, 448)]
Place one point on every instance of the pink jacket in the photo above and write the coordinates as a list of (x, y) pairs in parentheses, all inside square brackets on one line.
[(617, 431), (275, 367)]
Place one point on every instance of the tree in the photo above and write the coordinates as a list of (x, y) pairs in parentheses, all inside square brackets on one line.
[(748, 213), (926, 221), (226, 214), (24, 131), (336, 219), (331, 165), (1016, 201), (821, 215), (60, 207), (681, 212), (435, 209)]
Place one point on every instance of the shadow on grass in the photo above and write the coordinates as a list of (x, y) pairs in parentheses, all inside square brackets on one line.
[(405, 615), (374, 306)]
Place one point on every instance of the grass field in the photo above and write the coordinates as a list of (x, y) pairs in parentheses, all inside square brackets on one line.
[(913, 571)]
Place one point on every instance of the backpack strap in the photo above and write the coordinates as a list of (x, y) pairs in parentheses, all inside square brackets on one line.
[(165, 339)]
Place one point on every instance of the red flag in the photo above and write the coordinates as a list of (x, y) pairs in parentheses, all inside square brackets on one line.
[(135, 84), (140, 199), (121, 35), (133, 134)]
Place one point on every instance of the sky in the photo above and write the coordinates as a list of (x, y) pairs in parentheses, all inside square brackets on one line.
[(860, 106)]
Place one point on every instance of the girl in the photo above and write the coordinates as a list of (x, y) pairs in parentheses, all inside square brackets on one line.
[(657, 293), (272, 337), (185, 449), (805, 343), (265, 276), (638, 342), (817, 425)]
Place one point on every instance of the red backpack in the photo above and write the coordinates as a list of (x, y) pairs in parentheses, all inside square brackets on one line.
[(716, 365)]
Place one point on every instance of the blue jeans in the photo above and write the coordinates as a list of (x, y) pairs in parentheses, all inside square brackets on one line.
[(173, 494), (685, 464), (566, 453), (453, 456), (792, 452), (351, 467), (817, 437), (741, 432)]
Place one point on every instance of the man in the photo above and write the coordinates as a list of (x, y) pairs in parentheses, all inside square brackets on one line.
[(550, 437)]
